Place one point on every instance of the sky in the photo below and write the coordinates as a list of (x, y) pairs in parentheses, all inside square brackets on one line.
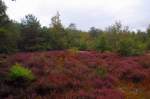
[(84, 13)]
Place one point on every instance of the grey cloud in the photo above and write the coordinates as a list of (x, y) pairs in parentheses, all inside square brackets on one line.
[(85, 13)]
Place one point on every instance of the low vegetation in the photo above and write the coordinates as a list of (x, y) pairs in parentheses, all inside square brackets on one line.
[(17, 71), (87, 74), (101, 72)]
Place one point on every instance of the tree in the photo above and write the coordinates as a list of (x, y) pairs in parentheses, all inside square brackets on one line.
[(30, 33), (72, 27), (56, 22), (117, 28), (84, 42), (129, 46), (142, 36), (9, 33), (94, 32), (46, 39), (8, 40), (3, 16), (114, 33), (148, 30), (102, 43), (58, 33)]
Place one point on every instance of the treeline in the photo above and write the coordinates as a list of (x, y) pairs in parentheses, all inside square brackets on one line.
[(29, 35)]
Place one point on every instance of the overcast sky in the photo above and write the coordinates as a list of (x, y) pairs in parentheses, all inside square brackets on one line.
[(84, 13)]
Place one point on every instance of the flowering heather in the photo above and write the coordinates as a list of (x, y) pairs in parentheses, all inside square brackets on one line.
[(62, 75)]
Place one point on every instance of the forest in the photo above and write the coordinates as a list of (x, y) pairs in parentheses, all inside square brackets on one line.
[(64, 62)]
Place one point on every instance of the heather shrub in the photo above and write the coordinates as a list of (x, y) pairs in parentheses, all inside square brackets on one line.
[(145, 62), (135, 76), (107, 93), (102, 72), (130, 46), (17, 71)]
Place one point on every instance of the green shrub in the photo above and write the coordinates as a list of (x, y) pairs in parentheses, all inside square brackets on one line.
[(130, 46), (102, 72), (17, 71)]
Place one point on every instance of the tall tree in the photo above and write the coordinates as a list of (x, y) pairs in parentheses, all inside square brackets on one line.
[(148, 30), (30, 31), (94, 32), (72, 27), (3, 15), (58, 32), (56, 22)]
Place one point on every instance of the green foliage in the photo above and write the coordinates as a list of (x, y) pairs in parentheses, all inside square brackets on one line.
[(102, 43), (3, 15), (73, 50), (30, 34), (148, 30), (7, 41), (84, 41), (72, 38), (102, 72), (8, 32), (17, 71), (147, 42), (129, 46), (117, 28), (94, 32), (58, 33), (46, 39)]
